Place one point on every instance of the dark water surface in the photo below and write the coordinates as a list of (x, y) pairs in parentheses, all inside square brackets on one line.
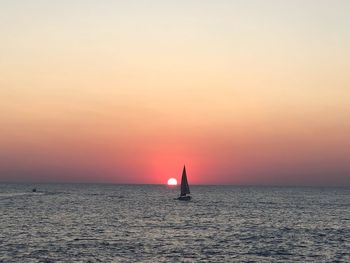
[(142, 223)]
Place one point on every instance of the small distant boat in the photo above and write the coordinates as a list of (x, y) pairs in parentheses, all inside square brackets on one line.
[(185, 189), (34, 190)]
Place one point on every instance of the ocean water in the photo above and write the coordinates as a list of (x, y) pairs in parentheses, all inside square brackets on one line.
[(143, 223)]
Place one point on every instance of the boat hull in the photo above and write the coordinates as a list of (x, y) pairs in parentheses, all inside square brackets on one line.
[(184, 198)]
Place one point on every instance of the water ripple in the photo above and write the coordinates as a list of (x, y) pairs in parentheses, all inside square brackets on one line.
[(113, 223)]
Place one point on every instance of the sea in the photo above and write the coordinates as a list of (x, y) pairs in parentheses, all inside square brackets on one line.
[(144, 223)]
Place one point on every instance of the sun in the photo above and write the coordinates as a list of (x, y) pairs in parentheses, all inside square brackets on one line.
[(172, 182)]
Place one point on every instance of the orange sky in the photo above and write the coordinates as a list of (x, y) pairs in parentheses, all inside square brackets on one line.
[(242, 92)]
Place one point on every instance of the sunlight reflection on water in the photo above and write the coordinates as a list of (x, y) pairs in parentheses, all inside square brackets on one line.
[(125, 223)]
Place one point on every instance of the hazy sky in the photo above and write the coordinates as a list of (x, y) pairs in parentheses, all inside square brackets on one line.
[(243, 92)]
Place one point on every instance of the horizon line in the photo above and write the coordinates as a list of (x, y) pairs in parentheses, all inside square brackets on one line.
[(164, 184)]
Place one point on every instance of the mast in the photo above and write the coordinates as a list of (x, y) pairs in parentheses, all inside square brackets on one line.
[(185, 189)]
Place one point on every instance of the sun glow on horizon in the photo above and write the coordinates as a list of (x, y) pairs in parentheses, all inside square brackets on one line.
[(172, 182), (241, 92)]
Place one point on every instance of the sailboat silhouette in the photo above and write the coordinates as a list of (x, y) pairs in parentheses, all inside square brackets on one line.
[(185, 189)]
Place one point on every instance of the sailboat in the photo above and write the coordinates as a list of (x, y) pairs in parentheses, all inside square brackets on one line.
[(185, 189)]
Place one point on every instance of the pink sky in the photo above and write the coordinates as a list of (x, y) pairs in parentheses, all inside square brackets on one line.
[(242, 93)]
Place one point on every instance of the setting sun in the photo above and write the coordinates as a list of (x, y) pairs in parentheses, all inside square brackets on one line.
[(172, 181)]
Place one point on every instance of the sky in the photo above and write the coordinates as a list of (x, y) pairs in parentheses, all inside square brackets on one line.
[(243, 92)]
